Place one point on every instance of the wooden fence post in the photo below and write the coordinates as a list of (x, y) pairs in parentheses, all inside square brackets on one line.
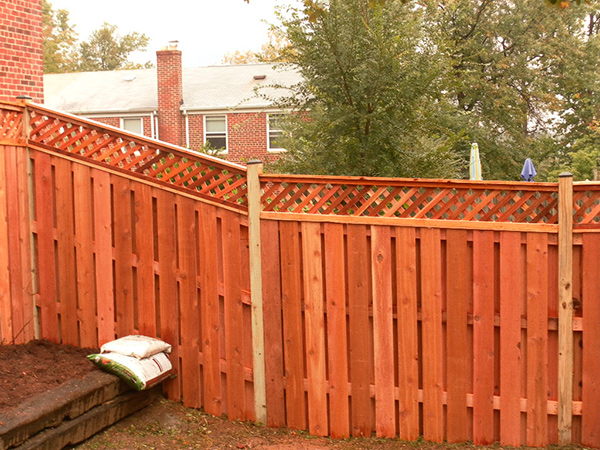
[(256, 292), (565, 307)]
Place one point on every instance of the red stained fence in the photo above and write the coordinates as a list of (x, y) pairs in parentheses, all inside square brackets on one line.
[(391, 307)]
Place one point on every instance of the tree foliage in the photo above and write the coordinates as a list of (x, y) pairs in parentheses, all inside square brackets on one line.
[(389, 85), (107, 50), (368, 79), (104, 50)]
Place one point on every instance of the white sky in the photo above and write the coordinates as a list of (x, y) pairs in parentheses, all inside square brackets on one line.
[(206, 30)]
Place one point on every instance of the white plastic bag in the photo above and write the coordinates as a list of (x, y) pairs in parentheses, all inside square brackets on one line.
[(137, 346), (140, 374)]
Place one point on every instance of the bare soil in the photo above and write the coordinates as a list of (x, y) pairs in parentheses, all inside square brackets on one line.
[(28, 369)]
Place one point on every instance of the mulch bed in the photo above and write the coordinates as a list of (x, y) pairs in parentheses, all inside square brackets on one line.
[(35, 367)]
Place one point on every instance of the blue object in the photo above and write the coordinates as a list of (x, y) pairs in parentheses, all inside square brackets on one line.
[(475, 163), (528, 171)]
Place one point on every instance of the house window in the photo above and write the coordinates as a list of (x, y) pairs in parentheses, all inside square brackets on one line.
[(215, 131), (274, 131), (133, 125)]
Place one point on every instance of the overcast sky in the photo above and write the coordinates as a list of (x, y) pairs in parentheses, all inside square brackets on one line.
[(206, 30)]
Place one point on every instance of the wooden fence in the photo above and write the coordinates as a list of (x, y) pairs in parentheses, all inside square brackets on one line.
[(451, 310)]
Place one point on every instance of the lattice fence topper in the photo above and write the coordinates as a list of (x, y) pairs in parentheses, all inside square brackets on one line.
[(586, 204), (410, 198), (204, 175), (11, 122)]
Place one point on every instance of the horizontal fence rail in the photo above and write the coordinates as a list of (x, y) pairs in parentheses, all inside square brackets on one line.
[(372, 326)]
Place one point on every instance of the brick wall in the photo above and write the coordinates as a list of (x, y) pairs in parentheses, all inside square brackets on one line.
[(247, 136), (170, 95), (21, 59)]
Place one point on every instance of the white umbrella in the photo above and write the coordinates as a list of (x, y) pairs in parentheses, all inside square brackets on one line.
[(475, 163)]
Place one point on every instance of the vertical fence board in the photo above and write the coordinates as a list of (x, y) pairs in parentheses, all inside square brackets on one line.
[(46, 270), (188, 298), (360, 339), (291, 297), (104, 257), (433, 413), (590, 435), (335, 288), (144, 246), (234, 338), (510, 338), (383, 328), (6, 319), (209, 310), (167, 284), (537, 339), (312, 262), (483, 337), (408, 353), (66, 252), (458, 281), (124, 307), (22, 169), (273, 331), (86, 295)]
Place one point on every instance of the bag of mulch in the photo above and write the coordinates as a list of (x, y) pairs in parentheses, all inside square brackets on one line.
[(141, 373), (136, 346)]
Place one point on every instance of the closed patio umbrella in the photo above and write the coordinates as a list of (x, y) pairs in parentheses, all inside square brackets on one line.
[(528, 171), (475, 163)]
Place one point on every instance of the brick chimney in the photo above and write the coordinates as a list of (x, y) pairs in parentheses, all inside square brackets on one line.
[(21, 59), (170, 94)]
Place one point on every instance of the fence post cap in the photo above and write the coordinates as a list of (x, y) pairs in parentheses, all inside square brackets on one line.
[(254, 161), (565, 175)]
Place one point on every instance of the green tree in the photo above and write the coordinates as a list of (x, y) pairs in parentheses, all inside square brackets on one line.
[(366, 97), (59, 39), (514, 69), (107, 50)]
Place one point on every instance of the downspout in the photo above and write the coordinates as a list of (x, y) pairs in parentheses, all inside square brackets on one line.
[(152, 125), (187, 129)]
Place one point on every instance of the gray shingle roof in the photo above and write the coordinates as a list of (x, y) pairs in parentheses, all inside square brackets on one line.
[(204, 88)]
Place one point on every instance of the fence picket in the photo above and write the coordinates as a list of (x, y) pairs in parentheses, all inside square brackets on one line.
[(46, 270), (144, 249), (433, 413), (291, 299), (188, 304), (6, 232), (335, 288), (312, 262), (591, 339), (383, 328), (458, 293), (272, 308), (361, 339), (124, 306), (537, 340), (408, 338), (167, 285), (67, 289), (209, 310), (86, 295), (483, 337), (510, 338), (232, 279)]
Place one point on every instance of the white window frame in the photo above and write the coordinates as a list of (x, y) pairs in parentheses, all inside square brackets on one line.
[(140, 119), (269, 130), (217, 134)]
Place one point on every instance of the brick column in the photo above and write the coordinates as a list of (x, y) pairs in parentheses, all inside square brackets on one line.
[(170, 95), (21, 58)]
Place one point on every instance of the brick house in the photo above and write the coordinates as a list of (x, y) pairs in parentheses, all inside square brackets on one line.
[(183, 106), (21, 60)]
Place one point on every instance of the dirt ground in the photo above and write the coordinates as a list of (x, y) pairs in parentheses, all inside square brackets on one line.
[(28, 369)]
